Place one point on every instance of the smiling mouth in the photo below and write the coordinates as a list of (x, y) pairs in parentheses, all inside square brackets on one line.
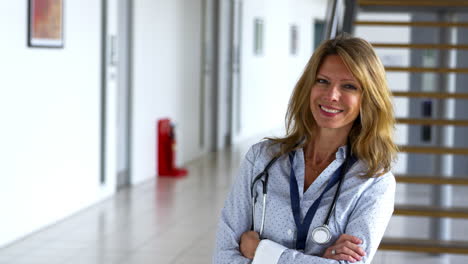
[(330, 110)]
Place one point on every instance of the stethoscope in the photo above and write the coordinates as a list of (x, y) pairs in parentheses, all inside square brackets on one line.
[(321, 234)]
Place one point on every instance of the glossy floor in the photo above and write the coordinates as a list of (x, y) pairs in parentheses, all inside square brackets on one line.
[(174, 222)]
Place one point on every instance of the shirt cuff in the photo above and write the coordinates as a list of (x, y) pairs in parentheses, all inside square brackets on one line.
[(268, 252)]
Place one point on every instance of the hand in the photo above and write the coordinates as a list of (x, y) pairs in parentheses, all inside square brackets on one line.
[(345, 248), (248, 244)]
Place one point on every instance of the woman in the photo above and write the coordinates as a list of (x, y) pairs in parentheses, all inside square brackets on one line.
[(340, 112)]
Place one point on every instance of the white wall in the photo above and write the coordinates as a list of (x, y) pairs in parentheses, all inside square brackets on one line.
[(267, 80), (49, 114), (166, 79)]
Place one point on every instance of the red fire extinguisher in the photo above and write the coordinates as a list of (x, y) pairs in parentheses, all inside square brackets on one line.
[(167, 150)]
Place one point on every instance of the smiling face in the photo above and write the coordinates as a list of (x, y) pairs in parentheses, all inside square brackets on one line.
[(335, 98)]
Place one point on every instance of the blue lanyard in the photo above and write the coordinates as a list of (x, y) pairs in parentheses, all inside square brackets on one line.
[(303, 228)]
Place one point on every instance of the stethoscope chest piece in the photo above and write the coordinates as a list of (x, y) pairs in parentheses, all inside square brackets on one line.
[(321, 234)]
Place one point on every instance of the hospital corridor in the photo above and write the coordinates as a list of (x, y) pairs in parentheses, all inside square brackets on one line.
[(123, 123)]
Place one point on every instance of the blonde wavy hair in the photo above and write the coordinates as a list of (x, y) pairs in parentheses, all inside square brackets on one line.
[(371, 136)]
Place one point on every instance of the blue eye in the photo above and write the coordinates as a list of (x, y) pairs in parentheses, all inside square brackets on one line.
[(322, 81), (350, 86)]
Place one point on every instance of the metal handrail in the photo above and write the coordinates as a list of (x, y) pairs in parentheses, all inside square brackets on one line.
[(340, 17), (331, 19)]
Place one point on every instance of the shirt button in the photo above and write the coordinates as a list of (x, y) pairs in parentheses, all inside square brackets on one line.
[(290, 232)]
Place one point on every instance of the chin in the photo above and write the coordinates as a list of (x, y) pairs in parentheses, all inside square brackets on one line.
[(334, 125)]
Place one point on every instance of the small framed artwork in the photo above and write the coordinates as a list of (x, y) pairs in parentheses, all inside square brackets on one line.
[(294, 39), (45, 23), (258, 36)]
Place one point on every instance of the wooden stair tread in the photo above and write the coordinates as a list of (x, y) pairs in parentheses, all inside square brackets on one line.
[(419, 46), (427, 69), (423, 245), (433, 150), (418, 179), (411, 24), (431, 211), (428, 121), (412, 3), (431, 95)]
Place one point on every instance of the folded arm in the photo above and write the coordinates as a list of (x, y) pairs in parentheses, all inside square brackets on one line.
[(235, 217)]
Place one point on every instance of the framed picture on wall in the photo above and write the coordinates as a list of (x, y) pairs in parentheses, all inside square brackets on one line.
[(258, 36), (294, 40), (45, 23)]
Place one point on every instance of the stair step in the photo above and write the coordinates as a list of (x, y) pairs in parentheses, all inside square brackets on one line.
[(427, 69), (433, 150), (431, 95), (435, 122), (431, 211), (417, 179), (412, 3), (422, 245), (411, 24), (419, 46)]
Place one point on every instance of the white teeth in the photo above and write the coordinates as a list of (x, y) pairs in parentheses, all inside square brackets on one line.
[(328, 110)]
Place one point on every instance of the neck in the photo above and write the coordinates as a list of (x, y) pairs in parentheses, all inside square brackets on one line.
[(324, 144)]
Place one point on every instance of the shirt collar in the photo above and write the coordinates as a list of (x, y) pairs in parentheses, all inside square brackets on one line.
[(341, 153)]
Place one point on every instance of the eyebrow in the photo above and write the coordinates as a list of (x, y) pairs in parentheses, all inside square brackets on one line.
[(352, 80)]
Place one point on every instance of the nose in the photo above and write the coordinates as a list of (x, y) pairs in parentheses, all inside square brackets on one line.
[(332, 94)]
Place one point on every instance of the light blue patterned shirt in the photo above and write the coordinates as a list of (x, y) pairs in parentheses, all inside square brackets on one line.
[(363, 209)]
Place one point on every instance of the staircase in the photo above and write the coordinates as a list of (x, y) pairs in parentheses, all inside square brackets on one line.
[(433, 120)]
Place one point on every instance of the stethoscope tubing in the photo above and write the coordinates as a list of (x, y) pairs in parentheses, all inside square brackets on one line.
[(265, 193), (263, 214)]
